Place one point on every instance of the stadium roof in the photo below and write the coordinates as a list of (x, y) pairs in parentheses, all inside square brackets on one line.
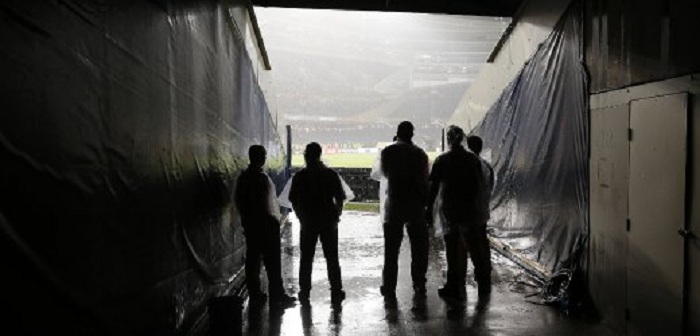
[(503, 8)]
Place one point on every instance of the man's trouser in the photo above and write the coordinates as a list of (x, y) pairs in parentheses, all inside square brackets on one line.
[(473, 241), (418, 238), (263, 242), (329, 243)]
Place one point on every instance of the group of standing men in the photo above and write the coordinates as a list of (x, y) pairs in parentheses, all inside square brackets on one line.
[(455, 194), (317, 195)]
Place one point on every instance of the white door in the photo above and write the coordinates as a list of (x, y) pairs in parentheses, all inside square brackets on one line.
[(656, 210)]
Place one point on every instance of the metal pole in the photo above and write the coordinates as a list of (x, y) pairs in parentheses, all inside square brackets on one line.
[(442, 142), (288, 168)]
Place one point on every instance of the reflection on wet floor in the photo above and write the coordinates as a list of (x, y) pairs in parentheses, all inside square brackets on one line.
[(365, 312)]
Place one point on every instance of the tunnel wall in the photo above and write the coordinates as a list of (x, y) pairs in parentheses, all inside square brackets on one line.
[(634, 42), (536, 135), (608, 256), (532, 24), (247, 26), (123, 128), (634, 51)]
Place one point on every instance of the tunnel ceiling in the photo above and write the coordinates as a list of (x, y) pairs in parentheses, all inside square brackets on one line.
[(464, 7)]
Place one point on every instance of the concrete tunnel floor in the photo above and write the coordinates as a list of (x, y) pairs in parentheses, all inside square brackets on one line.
[(364, 311)]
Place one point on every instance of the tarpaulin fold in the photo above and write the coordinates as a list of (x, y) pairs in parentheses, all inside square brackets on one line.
[(123, 128), (537, 133)]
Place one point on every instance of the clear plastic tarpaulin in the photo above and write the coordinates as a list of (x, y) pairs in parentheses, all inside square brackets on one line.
[(537, 133)]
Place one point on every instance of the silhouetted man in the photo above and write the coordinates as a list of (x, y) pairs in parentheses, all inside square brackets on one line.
[(454, 184), (405, 166), (257, 204), (317, 199), (480, 251)]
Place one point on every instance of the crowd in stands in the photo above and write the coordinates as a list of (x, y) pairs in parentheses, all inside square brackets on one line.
[(346, 136)]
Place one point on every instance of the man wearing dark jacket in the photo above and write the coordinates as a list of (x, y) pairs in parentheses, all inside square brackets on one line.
[(257, 204), (456, 179), (405, 166), (317, 199)]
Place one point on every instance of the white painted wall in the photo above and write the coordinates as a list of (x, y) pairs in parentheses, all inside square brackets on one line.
[(690, 84), (535, 22)]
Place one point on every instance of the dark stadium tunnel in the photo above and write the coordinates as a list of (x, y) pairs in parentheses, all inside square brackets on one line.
[(125, 126)]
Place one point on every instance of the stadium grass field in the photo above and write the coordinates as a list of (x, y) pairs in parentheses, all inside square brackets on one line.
[(362, 207), (347, 160)]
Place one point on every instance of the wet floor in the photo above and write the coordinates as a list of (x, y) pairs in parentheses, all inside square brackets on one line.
[(365, 312)]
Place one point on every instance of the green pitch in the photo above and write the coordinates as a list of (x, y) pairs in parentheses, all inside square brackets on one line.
[(347, 160), (363, 207)]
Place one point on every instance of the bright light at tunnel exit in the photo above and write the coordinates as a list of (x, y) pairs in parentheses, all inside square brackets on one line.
[(345, 79)]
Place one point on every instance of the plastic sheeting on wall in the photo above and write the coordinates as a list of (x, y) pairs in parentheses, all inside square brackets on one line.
[(537, 133), (124, 126)]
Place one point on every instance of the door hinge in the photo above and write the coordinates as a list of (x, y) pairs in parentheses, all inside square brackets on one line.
[(628, 224), (686, 233), (629, 134)]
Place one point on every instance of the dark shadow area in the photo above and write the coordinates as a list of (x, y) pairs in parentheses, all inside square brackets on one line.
[(118, 156)]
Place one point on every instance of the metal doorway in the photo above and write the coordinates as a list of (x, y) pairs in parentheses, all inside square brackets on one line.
[(657, 194)]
